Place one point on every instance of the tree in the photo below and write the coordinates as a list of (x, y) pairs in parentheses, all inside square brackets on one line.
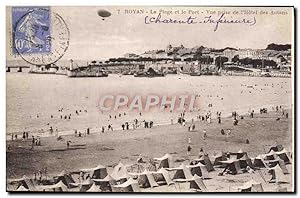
[(235, 59), (220, 60)]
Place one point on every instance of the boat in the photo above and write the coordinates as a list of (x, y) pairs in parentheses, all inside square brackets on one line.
[(150, 73)]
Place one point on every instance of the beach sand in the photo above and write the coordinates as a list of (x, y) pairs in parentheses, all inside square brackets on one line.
[(111, 147)]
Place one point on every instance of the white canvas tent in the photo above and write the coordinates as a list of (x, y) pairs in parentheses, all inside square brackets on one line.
[(128, 186), (145, 179), (165, 162), (98, 172), (59, 187), (106, 183), (22, 189), (182, 173), (94, 188), (277, 175), (119, 172), (200, 170), (197, 184), (251, 186), (205, 161), (162, 176), (24, 181)]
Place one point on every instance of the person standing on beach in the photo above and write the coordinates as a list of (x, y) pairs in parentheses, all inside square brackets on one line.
[(252, 114), (189, 148), (219, 117), (189, 141), (228, 132), (33, 141), (204, 134), (103, 129), (75, 132)]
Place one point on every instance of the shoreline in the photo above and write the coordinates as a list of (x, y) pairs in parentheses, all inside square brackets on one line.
[(276, 74), (241, 112)]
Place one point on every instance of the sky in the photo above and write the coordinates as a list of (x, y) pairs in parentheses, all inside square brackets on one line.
[(92, 38)]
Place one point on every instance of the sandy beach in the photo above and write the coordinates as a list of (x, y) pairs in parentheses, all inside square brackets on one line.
[(111, 147)]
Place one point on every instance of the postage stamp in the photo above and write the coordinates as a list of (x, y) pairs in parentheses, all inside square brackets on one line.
[(40, 36), (32, 29)]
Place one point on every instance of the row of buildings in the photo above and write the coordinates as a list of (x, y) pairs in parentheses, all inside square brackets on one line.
[(279, 59)]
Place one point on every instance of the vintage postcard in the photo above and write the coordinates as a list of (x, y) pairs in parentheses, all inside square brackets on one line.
[(150, 99)]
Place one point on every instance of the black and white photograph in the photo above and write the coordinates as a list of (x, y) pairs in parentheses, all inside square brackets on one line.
[(150, 99)]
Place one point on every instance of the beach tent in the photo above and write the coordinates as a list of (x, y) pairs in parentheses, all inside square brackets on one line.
[(245, 161), (59, 187), (83, 186), (22, 189), (285, 156), (197, 184), (162, 177), (65, 177), (236, 155), (98, 172), (259, 162), (145, 179), (182, 173), (165, 162), (251, 186), (277, 175), (232, 166), (106, 183), (271, 155), (219, 157), (206, 161), (129, 186), (276, 147), (24, 181), (120, 173), (94, 188), (199, 170), (280, 162), (240, 154)]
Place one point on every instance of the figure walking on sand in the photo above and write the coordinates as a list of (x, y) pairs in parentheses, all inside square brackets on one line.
[(204, 134), (189, 148), (228, 132)]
